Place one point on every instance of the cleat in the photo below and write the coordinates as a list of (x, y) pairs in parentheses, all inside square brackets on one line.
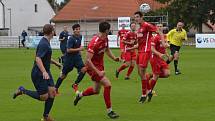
[(117, 74), (142, 99), (47, 119), (113, 115), (77, 99), (75, 87), (150, 95), (177, 72), (127, 78), (19, 91)]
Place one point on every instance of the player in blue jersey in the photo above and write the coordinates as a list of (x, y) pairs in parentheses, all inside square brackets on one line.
[(41, 74)]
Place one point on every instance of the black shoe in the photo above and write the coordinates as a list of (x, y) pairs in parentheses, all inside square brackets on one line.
[(77, 99), (19, 91), (142, 99), (117, 74), (59, 59), (127, 78), (150, 95), (177, 72), (113, 115)]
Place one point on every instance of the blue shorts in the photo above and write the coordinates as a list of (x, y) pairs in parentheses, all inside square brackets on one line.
[(63, 48), (69, 64), (41, 84)]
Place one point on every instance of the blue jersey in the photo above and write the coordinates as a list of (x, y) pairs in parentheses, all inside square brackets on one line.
[(64, 35), (44, 52), (74, 42)]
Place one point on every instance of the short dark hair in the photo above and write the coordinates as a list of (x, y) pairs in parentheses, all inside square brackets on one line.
[(75, 26), (48, 29), (103, 26), (139, 13), (132, 23)]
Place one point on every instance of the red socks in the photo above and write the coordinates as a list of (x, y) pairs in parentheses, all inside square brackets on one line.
[(131, 68), (89, 91), (144, 87), (107, 96), (122, 67), (153, 83)]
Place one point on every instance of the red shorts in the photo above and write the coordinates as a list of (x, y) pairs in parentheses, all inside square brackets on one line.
[(143, 59), (94, 76), (158, 65), (130, 55)]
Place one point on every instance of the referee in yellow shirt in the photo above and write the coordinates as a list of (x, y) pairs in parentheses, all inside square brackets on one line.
[(176, 37)]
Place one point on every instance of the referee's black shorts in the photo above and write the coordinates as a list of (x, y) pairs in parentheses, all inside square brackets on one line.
[(174, 48)]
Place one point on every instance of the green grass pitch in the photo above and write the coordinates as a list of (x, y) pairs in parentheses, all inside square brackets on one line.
[(186, 97)]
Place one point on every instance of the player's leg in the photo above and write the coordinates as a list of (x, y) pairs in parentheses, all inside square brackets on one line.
[(152, 83), (176, 58), (122, 67), (172, 51), (81, 73), (107, 97), (66, 69), (130, 69), (89, 91)]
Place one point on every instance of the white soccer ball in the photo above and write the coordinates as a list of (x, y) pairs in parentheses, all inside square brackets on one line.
[(145, 8)]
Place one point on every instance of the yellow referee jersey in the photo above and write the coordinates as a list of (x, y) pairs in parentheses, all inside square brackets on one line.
[(176, 37)]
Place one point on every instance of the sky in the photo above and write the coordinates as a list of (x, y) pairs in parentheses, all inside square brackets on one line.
[(58, 1)]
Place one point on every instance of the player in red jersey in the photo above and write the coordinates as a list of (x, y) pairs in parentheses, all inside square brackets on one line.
[(120, 35), (95, 64), (129, 41), (144, 36), (159, 66)]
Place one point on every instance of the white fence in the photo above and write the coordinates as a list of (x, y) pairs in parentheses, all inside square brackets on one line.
[(10, 41)]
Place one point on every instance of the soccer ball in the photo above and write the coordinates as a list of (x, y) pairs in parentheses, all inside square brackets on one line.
[(145, 8)]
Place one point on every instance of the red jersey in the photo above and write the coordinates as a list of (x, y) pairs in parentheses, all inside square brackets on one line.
[(121, 34), (130, 36), (144, 36), (97, 46), (157, 44)]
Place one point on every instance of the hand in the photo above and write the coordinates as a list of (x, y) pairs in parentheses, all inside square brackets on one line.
[(101, 73), (164, 56), (46, 76), (81, 48)]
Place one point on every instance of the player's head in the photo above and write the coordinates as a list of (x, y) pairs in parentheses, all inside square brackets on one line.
[(76, 29), (123, 26), (104, 27), (65, 28), (133, 26), (159, 27), (138, 17), (180, 25), (48, 30)]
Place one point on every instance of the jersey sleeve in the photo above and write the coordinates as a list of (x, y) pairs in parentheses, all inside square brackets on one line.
[(42, 49), (169, 35)]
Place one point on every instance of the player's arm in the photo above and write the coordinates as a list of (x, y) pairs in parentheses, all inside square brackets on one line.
[(110, 54), (56, 63), (61, 38), (91, 65), (133, 48), (42, 68), (157, 52), (169, 35)]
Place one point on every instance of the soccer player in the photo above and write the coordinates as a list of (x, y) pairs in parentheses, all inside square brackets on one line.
[(73, 58), (24, 35), (63, 41), (144, 36), (41, 75), (176, 37), (158, 63), (95, 67), (120, 35), (129, 41)]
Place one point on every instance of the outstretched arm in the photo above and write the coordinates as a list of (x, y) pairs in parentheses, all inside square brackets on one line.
[(110, 54)]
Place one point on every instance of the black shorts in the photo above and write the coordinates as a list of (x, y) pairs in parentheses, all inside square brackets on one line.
[(174, 48), (69, 64), (41, 84)]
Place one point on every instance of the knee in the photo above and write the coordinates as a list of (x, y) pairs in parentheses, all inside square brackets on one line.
[(84, 69), (176, 55), (63, 76), (44, 97)]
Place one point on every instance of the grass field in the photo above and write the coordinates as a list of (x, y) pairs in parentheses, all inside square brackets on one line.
[(187, 97)]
